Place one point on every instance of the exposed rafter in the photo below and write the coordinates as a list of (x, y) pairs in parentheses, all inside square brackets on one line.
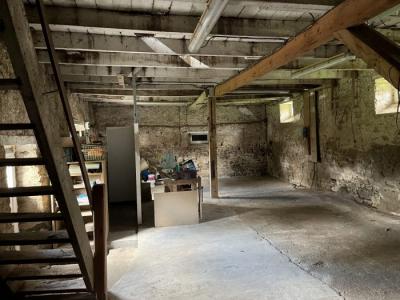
[(143, 60), (378, 51), (332, 61), (113, 22), (197, 74), (346, 14)]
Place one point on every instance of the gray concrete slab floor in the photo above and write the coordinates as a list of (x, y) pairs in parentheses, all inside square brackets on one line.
[(264, 239)]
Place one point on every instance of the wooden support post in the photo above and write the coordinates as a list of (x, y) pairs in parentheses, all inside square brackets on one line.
[(100, 211), (212, 143), (137, 147), (314, 127), (346, 14), (375, 49), (307, 120)]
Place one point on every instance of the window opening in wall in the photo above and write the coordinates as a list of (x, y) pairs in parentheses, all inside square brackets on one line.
[(198, 137), (386, 97), (286, 112)]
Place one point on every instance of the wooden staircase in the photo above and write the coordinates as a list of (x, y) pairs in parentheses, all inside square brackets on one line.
[(42, 273)]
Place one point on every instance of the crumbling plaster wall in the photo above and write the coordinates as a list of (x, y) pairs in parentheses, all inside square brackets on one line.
[(241, 135), (359, 149)]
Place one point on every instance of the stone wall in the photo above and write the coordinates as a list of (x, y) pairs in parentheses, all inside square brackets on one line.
[(22, 144), (241, 133), (359, 149)]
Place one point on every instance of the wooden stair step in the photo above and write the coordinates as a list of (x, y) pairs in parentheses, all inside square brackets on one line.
[(34, 161), (79, 296), (50, 256), (87, 216), (26, 191), (84, 207), (29, 217), (89, 227), (35, 272), (16, 126), (34, 238), (51, 286), (10, 84)]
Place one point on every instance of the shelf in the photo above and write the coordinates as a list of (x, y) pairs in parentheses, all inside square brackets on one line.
[(90, 174), (86, 161), (79, 186)]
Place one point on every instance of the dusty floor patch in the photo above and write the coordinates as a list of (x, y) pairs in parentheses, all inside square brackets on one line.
[(265, 240)]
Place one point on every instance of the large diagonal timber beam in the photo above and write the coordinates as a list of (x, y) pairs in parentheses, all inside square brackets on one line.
[(348, 13), (375, 49)]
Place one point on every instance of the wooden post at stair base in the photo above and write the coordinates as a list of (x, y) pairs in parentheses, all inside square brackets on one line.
[(100, 213), (212, 144)]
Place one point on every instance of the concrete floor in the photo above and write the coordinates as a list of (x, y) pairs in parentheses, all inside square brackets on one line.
[(265, 240)]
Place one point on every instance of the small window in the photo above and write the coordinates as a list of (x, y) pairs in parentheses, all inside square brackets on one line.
[(198, 137), (386, 97), (286, 112)]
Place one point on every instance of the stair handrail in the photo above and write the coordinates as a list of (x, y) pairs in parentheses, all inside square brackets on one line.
[(63, 96)]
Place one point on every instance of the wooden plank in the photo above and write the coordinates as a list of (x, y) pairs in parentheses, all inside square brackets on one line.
[(314, 128), (36, 272), (29, 217), (9, 84), (212, 144), (75, 296), (34, 238), (78, 296), (38, 287), (63, 96), (18, 39), (26, 191), (42, 256), (375, 49), (21, 161), (307, 120), (348, 13), (16, 126), (100, 238)]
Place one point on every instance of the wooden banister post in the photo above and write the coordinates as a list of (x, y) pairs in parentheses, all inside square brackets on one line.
[(100, 214)]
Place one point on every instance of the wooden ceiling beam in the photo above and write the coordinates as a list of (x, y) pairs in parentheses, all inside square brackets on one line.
[(348, 13), (380, 53)]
